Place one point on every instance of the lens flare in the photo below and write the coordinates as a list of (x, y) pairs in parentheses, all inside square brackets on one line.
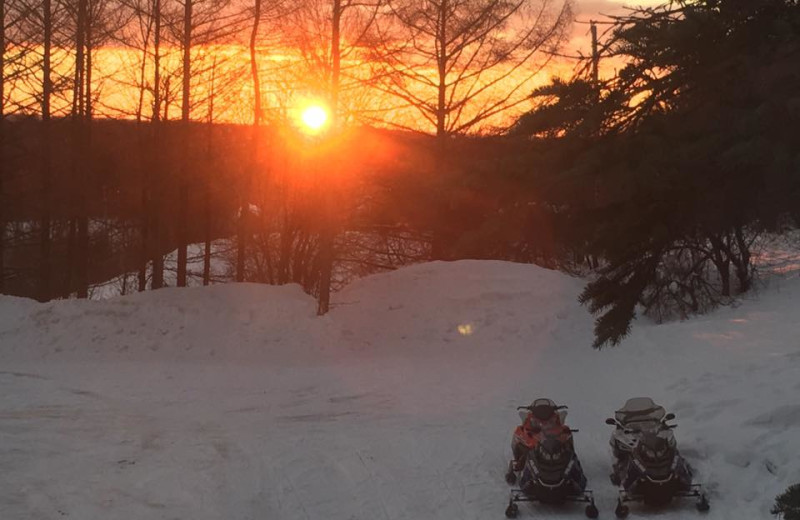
[(466, 329), (314, 117)]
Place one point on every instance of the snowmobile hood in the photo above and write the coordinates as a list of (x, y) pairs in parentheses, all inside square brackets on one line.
[(656, 454), (551, 455)]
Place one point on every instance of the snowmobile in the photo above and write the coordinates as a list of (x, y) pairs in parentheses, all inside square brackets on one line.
[(541, 417), (544, 457), (647, 465)]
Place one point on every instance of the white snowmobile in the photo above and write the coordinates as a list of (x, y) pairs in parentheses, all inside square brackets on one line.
[(647, 465)]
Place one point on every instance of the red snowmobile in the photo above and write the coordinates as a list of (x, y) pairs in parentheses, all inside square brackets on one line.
[(543, 418), (545, 462)]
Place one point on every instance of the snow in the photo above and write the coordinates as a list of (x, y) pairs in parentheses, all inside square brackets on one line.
[(237, 402)]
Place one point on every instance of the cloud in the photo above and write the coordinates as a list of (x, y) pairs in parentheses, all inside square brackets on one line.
[(594, 7)]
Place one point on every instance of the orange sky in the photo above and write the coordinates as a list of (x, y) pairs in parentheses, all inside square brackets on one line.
[(586, 10), (284, 92)]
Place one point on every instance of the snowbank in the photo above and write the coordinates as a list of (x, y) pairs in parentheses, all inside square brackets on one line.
[(237, 402)]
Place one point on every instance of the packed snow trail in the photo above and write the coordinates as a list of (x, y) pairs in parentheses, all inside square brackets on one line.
[(237, 402)]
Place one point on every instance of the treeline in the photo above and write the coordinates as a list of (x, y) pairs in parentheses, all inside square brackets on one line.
[(170, 66), (302, 192)]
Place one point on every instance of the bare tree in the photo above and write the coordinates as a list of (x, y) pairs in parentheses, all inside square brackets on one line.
[(204, 23), (77, 254), (207, 191), (152, 235), (242, 232), (329, 41), (459, 63), (183, 190)]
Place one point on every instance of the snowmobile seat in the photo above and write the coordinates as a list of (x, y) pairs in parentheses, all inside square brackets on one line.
[(640, 411)]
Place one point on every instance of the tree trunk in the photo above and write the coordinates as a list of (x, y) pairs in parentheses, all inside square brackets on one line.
[(326, 258), (725, 277), (144, 239), (722, 262), (144, 224), (244, 201), (2, 142), (207, 185), (207, 232), (153, 174), (441, 63), (45, 245), (336, 59), (77, 152), (439, 247), (183, 182), (143, 72), (328, 229), (86, 146), (742, 264), (285, 245)]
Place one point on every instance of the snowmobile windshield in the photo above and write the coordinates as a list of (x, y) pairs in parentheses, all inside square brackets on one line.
[(640, 412), (543, 412)]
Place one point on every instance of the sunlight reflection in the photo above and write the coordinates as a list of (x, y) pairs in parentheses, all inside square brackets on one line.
[(466, 329), (721, 339)]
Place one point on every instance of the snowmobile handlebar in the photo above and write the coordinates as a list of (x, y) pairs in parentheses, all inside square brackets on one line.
[(530, 408)]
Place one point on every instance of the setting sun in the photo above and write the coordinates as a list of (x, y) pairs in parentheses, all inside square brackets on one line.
[(314, 117)]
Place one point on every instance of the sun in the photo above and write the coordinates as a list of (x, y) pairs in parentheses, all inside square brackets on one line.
[(314, 117)]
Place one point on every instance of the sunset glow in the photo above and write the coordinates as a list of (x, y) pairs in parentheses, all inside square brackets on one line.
[(116, 80)]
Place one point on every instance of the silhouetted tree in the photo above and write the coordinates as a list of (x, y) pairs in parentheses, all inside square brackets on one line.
[(46, 199), (461, 62)]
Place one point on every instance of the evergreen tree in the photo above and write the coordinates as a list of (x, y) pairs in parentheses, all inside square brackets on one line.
[(788, 503), (682, 157)]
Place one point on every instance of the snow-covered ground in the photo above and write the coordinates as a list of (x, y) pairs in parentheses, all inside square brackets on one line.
[(237, 402)]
